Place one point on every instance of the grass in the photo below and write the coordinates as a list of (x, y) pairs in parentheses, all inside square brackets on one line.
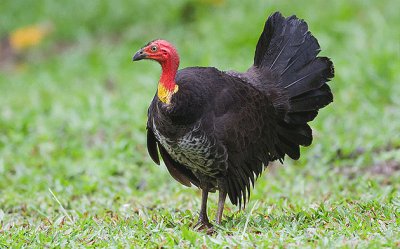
[(73, 162)]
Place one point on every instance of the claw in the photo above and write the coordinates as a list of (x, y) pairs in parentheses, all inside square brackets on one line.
[(202, 224)]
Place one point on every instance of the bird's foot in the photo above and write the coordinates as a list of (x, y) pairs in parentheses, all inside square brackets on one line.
[(204, 225)]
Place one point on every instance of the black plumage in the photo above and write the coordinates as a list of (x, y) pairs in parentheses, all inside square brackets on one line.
[(220, 129)]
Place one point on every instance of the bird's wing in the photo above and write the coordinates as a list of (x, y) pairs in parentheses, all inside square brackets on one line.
[(245, 122), (152, 146)]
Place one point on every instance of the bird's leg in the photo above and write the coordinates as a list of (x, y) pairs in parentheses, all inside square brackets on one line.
[(203, 218), (221, 203)]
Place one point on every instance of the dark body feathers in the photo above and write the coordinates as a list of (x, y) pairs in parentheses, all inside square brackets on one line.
[(222, 128)]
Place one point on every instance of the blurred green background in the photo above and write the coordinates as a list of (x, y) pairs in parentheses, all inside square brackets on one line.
[(74, 169)]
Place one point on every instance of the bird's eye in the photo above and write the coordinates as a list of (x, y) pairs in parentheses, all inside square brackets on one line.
[(153, 48)]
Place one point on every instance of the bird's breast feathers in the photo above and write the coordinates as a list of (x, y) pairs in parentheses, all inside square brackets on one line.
[(192, 149)]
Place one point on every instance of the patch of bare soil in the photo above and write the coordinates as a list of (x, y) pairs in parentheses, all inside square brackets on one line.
[(383, 168), (386, 168)]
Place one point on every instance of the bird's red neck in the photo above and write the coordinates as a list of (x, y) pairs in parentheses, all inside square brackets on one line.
[(167, 86)]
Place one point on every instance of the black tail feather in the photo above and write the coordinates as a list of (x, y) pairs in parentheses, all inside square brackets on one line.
[(312, 100), (290, 148), (297, 134), (312, 76), (300, 117)]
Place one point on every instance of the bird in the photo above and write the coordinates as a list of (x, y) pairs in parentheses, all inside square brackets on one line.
[(218, 130)]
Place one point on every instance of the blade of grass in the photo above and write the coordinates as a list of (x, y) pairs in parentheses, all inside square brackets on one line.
[(61, 206)]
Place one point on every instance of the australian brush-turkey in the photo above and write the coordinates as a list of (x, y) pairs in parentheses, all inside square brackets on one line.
[(217, 130)]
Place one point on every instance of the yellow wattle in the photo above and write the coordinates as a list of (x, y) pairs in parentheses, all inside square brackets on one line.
[(165, 94)]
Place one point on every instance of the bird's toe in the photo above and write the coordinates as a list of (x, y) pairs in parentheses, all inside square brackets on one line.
[(202, 225)]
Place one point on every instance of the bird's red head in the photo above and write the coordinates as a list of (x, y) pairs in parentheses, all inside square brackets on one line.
[(158, 50), (164, 53)]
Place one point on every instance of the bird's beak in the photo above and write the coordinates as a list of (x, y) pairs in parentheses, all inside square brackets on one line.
[(139, 55)]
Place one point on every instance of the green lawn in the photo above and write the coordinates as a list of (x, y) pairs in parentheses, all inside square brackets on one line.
[(74, 170)]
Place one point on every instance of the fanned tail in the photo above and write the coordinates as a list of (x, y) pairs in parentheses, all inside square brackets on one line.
[(287, 49)]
